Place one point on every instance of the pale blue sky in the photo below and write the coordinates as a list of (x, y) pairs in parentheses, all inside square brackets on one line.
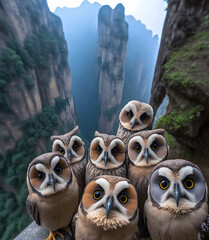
[(150, 12)]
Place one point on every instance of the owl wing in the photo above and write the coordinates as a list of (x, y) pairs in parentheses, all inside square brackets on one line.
[(32, 210), (204, 232)]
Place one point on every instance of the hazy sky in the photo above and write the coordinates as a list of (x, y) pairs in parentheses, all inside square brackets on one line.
[(150, 12)]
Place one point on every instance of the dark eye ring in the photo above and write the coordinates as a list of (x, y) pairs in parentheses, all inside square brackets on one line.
[(155, 146), (189, 183), (61, 150), (97, 194), (58, 170), (123, 198), (40, 176), (138, 148), (115, 151), (75, 147), (99, 149), (164, 184), (130, 114)]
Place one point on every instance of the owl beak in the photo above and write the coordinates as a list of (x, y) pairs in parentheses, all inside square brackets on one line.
[(52, 181), (109, 205), (105, 158), (146, 154), (69, 154), (177, 193), (133, 123)]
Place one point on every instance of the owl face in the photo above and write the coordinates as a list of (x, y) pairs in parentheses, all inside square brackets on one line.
[(107, 152), (147, 148), (177, 185), (110, 202), (48, 176), (71, 146), (136, 116)]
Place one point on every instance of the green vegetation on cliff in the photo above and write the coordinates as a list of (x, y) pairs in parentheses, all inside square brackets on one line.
[(179, 119), (13, 168), (184, 64)]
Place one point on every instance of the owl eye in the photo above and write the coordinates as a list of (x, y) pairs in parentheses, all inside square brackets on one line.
[(114, 151), (138, 148), (75, 147), (155, 146), (130, 114), (123, 198), (61, 150), (189, 183), (58, 169), (40, 176), (97, 194), (164, 184), (99, 149)]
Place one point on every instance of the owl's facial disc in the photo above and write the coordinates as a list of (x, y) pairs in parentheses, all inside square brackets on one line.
[(107, 157), (107, 206), (48, 180), (136, 116), (177, 191), (147, 152)]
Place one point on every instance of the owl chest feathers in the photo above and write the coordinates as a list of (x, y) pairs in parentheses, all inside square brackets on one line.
[(165, 225), (86, 230), (56, 211), (78, 169), (93, 171), (140, 177), (124, 133)]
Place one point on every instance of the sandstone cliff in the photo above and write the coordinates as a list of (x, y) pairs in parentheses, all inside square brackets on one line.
[(182, 72), (112, 41), (33, 67)]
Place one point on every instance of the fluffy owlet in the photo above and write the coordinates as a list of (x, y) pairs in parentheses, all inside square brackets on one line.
[(72, 147), (177, 201), (53, 192), (145, 150), (106, 157), (134, 117), (108, 210)]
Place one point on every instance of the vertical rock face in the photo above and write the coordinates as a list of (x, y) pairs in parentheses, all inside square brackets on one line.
[(33, 67), (182, 73), (182, 20), (112, 41)]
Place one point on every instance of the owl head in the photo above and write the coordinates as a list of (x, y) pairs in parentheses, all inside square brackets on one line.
[(110, 202), (107, 151), (48, 174), (177, 186), (70, 145), (147, 148), (136, 116)]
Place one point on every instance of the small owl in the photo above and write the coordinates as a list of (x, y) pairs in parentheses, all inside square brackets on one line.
[(108, 210), (53, 192), (134, 117), (145, 150), (72, 147), (107, 157), (177, 201)]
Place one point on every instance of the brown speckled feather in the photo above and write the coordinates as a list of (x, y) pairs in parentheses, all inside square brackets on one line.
[(140, 178), (79, 170)]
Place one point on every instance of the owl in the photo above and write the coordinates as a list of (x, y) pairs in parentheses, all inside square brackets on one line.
[(134, 117), (53, 193), (106, 157), (177, 201), (108, 210), (145, 150), (72, 147)]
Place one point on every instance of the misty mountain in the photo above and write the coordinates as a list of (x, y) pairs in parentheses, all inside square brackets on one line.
[(81, 32)]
